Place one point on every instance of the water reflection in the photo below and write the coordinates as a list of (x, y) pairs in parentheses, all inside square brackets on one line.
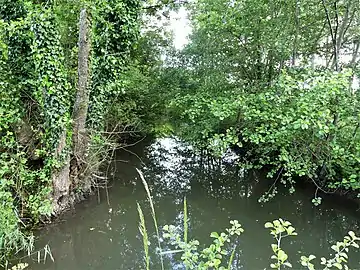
[(175, 166), (103, 234)]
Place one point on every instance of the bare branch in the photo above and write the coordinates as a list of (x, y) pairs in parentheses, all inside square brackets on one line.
[(333, 34)]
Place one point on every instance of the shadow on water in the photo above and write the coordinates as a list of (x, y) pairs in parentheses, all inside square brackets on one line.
[(102, 233)]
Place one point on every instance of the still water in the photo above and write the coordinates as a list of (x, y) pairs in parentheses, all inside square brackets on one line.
[(102, 232)]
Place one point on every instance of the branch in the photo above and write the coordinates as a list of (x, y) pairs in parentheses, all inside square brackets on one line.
[(351, 17), (337, 19), (328, 20), (355, 53), (163, 4), (333, 35)]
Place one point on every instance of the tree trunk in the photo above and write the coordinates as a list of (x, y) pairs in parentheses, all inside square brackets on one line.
[(80, 136), (61, 180)]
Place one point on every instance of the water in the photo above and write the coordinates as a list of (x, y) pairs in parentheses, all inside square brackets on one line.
[(102, 232)]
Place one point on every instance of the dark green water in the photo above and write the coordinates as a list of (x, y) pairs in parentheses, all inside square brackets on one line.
[(102, 232)]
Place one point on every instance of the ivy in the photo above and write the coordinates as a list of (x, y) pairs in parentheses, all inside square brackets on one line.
[(37, 90), (51, 88), (115, 28), (32, 82)]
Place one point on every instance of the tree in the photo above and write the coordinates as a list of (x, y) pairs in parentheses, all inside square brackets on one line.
[(270, 79)]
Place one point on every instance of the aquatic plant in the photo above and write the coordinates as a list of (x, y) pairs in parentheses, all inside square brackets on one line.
[(153, 214), (144, 234), (280, 229), (213, 257)]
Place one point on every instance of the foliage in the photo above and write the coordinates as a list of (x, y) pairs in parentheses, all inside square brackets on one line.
[(34, 83), (210, 257), (292, 125), (115, 28), (140, 107), (281, 228), (273, 81), (289, 125), (38, 60), (19, 266), (266, 78)]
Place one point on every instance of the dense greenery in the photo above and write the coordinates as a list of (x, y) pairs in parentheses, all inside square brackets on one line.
[(34, 112), (38, 84), (273, 80)]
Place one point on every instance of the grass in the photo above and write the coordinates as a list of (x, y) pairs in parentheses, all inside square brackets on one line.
[(231, 258), (153, 214), (185, 221), (143, 231)]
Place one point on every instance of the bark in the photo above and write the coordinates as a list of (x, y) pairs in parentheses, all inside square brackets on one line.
[(355, 54), (353, 65), (80, 137), (333, 32), (341, 29), (296, 18), (61, 180)]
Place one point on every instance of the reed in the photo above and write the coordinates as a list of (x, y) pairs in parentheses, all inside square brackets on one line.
[(143, 231), (153, 214), (185, 221), (231, 259)]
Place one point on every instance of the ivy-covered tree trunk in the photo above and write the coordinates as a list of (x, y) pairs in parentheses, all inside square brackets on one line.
[(45, 148), (52, 92), (80, 137)]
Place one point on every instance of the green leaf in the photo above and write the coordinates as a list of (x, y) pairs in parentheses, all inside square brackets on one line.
[(276, 223), (269, 225), (282, 255), (352, 234), (311, 257)]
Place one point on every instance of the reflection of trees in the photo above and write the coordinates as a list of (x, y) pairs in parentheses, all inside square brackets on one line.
[(176, 169)]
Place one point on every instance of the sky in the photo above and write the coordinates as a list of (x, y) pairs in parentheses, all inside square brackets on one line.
[(180, 25)]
